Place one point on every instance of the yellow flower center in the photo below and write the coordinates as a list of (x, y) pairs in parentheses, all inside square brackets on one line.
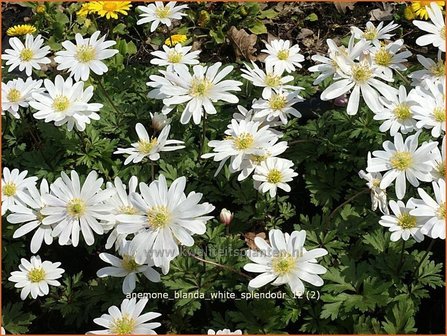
[(36, 274), (375, 183), (274, 176), (124, 325), (361, 73), (277, 102), (61, 103), (370, 34), (439, 114), (76, 207), (438, 70), (200, 87), (14, 95), (110, 6), (158, 216), (85, 53), (163, 12), (174, 56), (9, 189), (40, 216), (283, 263), (243, 141), (146, 147), (129, 263), (26, 55), (402, 112), (283, 54), (401, 161), (272, 81), (127, 210), (440, 169), (383, 57), (441, 212), (406, 221)]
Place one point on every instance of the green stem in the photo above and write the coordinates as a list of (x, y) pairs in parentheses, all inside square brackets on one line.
[(405, 79), (349, 200), (228, 268), (401, 258), (202, 144), (103, 89)]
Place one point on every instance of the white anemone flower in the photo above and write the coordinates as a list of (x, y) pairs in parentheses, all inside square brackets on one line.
[(17, 93), (224, 332), (430, 108), (283, 56), (378, 195), (26, 56), (432, 211), (397, 113), (170, 217), (87, 54), (243, 140), (373, 33), (14, 187), (175, 57), (403, 161), (274, 173), (31, 217), (35, 277), (401, 223), (160, 12), (388, 58), (127, 267), (127, 320), (438, 161), (285, 261), (433, 71), (73, 209), (199, 90), (278, 106), (435, 29), (65, 102), (272, 79), (149, 147)]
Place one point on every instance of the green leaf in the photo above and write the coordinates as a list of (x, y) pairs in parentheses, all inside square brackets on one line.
[(15, 320), (258, 28), (311, 17), (402, 321)]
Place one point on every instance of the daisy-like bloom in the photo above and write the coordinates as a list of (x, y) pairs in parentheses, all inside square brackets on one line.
[(285, 261), (271, 80), (243, 140), (35, 276), (420, 8), (274, 173), (403, 161), (86, 8), (175, 39), (66, 102), (127, 267), (175, 57), (26, 56), (283, 56), (73, 209), (169, 218), (360, 76), (14, 187), (110, 9), (432, 211), (387, 57), (122, 205), (430, 107), (224, 332), (159, 12), (378, 196), (433, 71), (19, 30), (277, 106), (198, 90), (401, 223), (373, 33), (438, 161), (397, 113), (159, 121), (149, 147), (18, 93), (128, 320), (31, 217), (86, 55), (436, 29)]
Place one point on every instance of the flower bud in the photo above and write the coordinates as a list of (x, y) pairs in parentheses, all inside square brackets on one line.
[(226, 216), (159, 121), (341, 101)]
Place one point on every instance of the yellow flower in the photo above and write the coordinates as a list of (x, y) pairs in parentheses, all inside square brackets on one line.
[(21, 30), (409, 13), (40, 9), (420, 10), (110, 9), (174, 39), (86, 9)]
